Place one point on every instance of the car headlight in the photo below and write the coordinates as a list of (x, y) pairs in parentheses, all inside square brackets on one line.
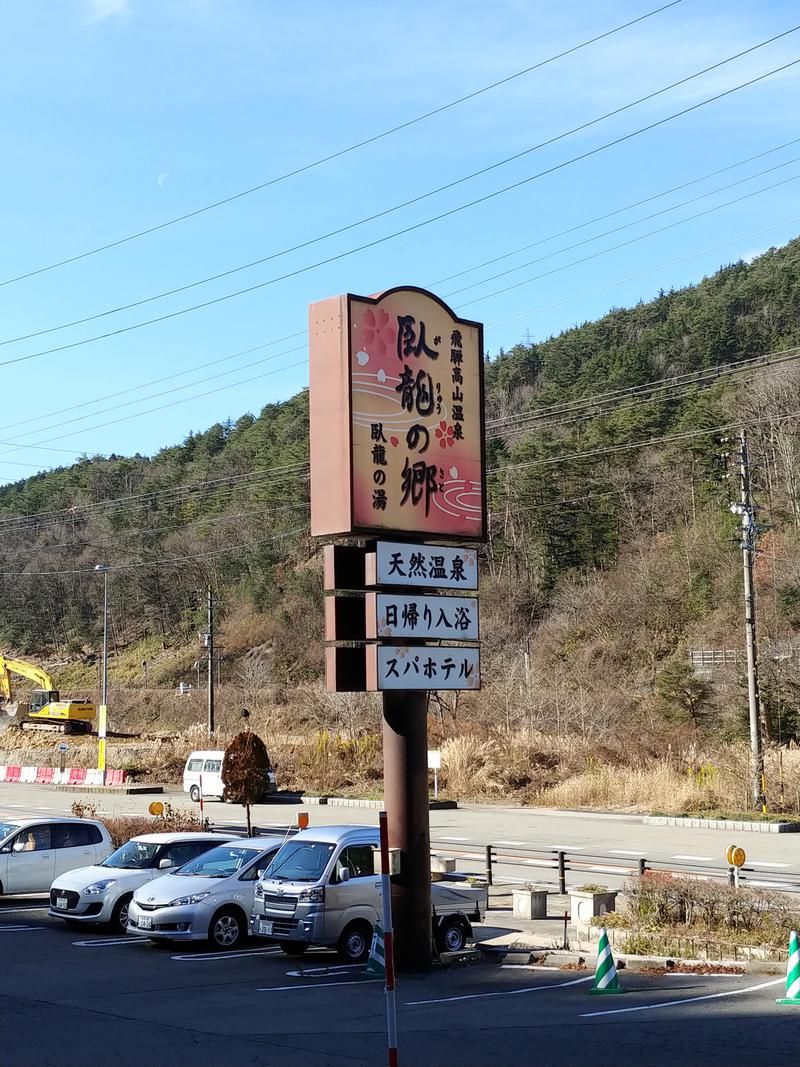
[(96, 888), (193, 898), (259, 889), (313, 896)]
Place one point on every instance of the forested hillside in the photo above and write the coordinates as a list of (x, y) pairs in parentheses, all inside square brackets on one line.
[(612, 551)]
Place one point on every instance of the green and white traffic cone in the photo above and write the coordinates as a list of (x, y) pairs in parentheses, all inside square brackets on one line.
[(376, 964), (792, 972), (605, 976)]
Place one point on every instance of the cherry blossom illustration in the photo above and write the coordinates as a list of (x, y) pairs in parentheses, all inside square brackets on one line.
[(444, 435), (377, 333)]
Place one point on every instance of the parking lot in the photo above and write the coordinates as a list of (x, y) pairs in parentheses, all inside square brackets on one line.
[(73, 996)]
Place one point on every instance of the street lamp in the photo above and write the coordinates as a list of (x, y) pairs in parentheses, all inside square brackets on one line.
[(103, 568)]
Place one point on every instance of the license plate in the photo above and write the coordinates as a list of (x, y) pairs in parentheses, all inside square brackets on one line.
[(265, 927), (145, 922), (61, 902)]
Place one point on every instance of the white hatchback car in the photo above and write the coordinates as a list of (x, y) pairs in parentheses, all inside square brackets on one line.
[(208, 899), (101, 893), (34, 851)]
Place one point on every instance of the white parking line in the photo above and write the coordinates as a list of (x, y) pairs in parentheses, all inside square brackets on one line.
[(504, 993), (107, 942), (16, 929), (568, 848), (315, 985), (702, 859), (31, 907), (684, 1000), (207, 957), (625, 852), (461, 840), (766, 863), (513, 844)]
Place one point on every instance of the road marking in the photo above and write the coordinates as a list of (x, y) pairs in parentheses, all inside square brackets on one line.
[(16, 929), (505, 993), (606, 870), (702, 859), (568, 848), (31, 907), (107, 942), (626, 852), (316, 972), (685, 1000), (207, 957), (766, 863), (315, 985), (771, 885), (464, 840), (517, 844)]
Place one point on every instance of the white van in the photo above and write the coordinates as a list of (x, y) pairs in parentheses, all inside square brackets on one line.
[(203, 771), (34, 851), (321, 889)]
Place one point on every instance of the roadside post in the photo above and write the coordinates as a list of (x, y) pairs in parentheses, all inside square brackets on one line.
[(62, 756), (434, 764), (398, 493), (388, 940), (735, 857)]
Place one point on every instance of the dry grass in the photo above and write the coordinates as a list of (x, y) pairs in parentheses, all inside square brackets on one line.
[(123, 828)]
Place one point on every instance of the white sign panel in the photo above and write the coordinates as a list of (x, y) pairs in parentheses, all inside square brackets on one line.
[(426, 566), (444, 618), (434, 759), (416, 667)]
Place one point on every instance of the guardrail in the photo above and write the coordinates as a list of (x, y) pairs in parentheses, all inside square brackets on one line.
[(562, 861)]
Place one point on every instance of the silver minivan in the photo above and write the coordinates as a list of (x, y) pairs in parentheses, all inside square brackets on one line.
[(321, 889)]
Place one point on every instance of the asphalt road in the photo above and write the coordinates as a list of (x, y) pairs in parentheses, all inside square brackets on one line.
[(772, 859), (72, 997)]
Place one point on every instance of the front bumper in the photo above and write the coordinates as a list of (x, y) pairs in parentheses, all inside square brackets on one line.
[(187, 922), (303, 925), (81, 907)]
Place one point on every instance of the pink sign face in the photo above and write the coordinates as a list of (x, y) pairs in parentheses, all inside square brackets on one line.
[(416, 409)]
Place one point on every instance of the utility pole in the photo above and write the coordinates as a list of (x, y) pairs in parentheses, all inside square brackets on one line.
[(210, 646), (746, 511)]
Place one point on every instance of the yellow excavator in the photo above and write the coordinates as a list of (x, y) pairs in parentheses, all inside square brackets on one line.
[(46, 710)]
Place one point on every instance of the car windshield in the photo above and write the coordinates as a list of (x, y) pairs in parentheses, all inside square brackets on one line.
[(7, 828), (300, 861), (220, 862), (133, 855)]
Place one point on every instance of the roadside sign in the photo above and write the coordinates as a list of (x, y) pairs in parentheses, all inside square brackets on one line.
[(735, 856), (443, 618), (156, 808), (434, 759), (423, 667), (423, 566), (63, 746)]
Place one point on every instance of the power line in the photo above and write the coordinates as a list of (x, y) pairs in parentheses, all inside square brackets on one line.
[(398, 233), (337, 154)]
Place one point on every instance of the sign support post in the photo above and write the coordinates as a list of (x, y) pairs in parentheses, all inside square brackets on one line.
[(405, 783)]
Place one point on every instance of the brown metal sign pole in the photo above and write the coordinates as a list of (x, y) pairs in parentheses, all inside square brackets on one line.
[(405, 778)]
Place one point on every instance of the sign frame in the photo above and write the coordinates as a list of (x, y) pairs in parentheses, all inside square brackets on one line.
[(331, 422)]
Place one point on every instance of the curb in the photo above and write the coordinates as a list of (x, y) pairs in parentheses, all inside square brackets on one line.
[(740, 826), (108, 788), (558, 958)]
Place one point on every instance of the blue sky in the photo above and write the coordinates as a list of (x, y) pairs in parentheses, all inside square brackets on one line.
[(120, 114)]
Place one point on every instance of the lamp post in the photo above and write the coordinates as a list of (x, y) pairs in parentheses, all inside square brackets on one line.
[(103, 568)]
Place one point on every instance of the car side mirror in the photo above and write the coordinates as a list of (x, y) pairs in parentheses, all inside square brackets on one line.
[(6, 849), (164, 864), (260, 874), (342, 874)]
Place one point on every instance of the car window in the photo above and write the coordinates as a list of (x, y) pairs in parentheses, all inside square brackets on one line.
[(253, 872), (194, 765), (219, 862), (70, 835), (7, 828), (358, 861), (213, 766), (181, 853), (95, 836), (33, 839), (133, 856), (300, 861)]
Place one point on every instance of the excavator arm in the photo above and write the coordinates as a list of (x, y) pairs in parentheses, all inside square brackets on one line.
[(40, 678)]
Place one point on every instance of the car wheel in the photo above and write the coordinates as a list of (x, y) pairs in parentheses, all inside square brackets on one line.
[(355, 942), (451, 936), (293, 948), (119, 916), (226, 930), (194, 793)]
